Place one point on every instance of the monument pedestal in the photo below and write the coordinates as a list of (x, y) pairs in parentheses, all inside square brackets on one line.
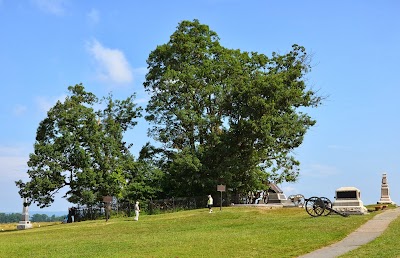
[(348, 201), (24, 223)]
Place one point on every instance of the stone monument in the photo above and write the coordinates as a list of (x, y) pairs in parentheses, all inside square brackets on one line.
[(385, 196), (275, 194), (24, 222), (348, 201)]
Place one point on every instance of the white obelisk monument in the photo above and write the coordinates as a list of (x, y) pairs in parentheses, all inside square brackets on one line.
[(24, 222), (385, 196)]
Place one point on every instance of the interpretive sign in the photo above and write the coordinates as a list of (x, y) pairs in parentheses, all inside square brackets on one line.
[(221, 188), (107, 199)]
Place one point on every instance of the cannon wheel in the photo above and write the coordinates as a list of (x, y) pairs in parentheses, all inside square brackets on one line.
[(328, 206), (315, 206)]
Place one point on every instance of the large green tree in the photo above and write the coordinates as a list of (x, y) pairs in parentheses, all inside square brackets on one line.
[(81, 149), (224, 115), (143, 181)]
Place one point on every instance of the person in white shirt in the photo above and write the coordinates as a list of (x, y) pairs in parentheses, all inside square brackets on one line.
[(210, 203), (137, 210)]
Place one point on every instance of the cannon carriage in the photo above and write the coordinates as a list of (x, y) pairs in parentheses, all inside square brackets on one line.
[(320, 206)]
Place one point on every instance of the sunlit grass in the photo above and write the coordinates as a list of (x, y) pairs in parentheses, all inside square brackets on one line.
[(232, 232), (13, 226)]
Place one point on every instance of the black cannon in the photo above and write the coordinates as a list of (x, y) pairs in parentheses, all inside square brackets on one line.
[(318, 206)]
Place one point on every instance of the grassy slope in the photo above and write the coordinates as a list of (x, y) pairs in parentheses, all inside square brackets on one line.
[(232, 232)]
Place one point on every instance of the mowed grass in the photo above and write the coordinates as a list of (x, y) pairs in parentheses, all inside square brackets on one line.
[(232, 232)]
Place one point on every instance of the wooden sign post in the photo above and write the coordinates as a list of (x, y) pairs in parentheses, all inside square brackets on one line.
[(221, 188)]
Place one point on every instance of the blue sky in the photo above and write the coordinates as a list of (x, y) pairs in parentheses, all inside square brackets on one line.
[(48, 45)]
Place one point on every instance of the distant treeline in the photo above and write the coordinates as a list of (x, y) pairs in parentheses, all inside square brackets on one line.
[(16, 217)]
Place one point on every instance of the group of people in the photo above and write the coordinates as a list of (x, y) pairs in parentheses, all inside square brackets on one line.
[(257, 197), (210, 203), (72, 215)]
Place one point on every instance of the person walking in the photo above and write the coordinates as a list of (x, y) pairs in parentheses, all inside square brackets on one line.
[(137, 210), (107, 210), (210, 203)]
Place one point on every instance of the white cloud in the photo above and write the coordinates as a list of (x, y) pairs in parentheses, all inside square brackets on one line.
[(112, 63), (93, 16), (51, 6), (45, 103)]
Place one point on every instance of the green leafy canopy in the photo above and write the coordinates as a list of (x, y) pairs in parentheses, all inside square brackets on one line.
[(80, 148), (223, 115)]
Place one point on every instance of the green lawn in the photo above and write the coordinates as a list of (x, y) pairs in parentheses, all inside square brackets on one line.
[(232, 232)]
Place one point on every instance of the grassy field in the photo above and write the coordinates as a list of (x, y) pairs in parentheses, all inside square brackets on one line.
[(232, 232)]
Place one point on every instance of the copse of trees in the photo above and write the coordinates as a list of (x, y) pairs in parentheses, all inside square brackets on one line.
[(45, 218), (10, 217), (217, 115), (223, 115)]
